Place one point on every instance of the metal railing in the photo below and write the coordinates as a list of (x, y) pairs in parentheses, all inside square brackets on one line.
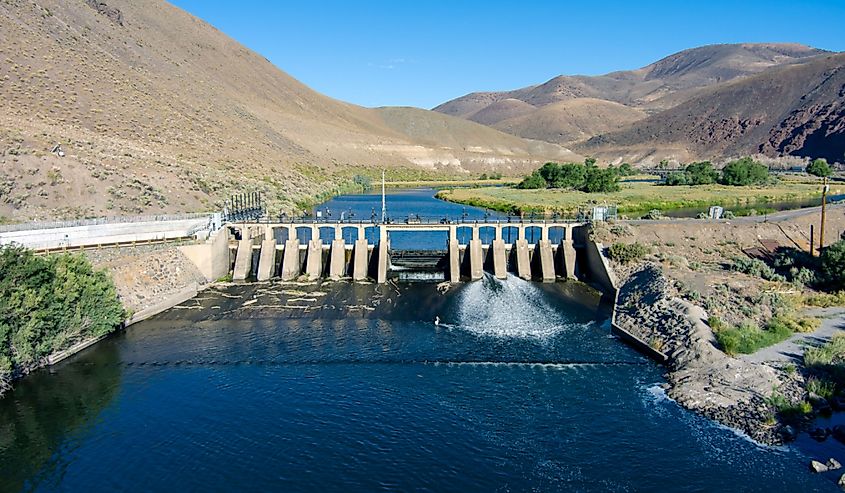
[(420, 220), (8, 228)]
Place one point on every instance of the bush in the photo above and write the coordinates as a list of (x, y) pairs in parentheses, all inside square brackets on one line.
[(825, 300), (744, 172), (833, 265), (364, 182), (820, 168), (675, 178), (757, 268), (49, 303), (829, 354), (625, 253), (532, 182), (822, 388), (748, 338), (787, 409), (654, 215)]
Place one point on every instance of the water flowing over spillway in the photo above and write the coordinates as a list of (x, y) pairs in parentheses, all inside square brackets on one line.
[(513, 308)]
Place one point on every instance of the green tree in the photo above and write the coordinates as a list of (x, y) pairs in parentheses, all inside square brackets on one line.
[(820, 168), (532, 181), (676, 178), (550, 172), (833, 265), (590, 162), (48, 304), (625, 169), (701, 173), (600, 180), (744, 172)]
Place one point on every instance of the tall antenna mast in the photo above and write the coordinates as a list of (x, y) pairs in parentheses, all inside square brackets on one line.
[(383, 203)]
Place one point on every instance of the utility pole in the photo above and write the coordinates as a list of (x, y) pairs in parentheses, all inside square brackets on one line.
[(383, 202), (825, 189)]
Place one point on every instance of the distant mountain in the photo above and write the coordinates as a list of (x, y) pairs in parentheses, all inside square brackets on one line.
[(797, 110), (655, 87), (159, 111)]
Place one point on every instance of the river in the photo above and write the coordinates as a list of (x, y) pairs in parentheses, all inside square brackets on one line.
[(353, 388)]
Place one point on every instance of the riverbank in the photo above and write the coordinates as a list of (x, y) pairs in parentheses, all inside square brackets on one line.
[(636, 197)]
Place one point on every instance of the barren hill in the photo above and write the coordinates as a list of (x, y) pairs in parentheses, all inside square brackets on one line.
[(655, 87), (571, 120), (159, 111), (797, 110)]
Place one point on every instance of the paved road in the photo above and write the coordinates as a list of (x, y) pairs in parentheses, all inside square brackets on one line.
[(792, 349), (776, 217)]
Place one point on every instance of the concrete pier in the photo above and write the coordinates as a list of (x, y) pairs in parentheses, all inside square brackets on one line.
[(267, 260), (545, 260), (500, 264), (243, 260), (290, 260), (360, 260), (337, 259), (523, 264), (476, 258), (454, 262), (566, 252), (314, 259)]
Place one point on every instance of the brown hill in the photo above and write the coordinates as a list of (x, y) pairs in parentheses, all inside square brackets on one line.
[(797, 110), (159, 111), (571, 120), (655, 87)]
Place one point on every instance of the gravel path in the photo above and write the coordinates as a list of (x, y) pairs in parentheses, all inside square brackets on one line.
[(792, 349)]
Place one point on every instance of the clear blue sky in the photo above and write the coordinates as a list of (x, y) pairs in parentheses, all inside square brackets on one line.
[(422, 53)]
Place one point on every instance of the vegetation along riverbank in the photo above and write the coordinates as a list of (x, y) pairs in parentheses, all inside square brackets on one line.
[(48, 304), (743, 183)]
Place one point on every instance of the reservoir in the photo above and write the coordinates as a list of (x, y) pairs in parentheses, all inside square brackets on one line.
[(353, 388)]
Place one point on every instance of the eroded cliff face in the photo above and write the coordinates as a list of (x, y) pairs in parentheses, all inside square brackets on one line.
[(814, 131)]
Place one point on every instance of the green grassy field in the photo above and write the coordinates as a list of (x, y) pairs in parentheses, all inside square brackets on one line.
[(635, 196)]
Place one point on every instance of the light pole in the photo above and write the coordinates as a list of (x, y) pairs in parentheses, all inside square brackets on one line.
[(825, 189)]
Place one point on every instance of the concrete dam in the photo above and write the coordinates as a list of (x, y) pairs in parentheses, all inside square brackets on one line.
[(533, 250)]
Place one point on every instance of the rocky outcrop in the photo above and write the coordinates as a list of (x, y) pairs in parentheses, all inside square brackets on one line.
[(113, 14), (701, 377)]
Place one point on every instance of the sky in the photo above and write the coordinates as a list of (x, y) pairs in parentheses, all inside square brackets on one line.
[(423, 53)]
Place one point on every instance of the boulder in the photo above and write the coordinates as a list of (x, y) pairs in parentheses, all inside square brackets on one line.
[(820, 434), (788, 433), (817, 466), (839, 433), (833, 464), (838, 403), (841, 482)]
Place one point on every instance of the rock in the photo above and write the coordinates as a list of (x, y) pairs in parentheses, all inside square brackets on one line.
[(838, 403), (841, 482), (820, 434), (788, 433), (817, 466), (833, 464), (839, 433)]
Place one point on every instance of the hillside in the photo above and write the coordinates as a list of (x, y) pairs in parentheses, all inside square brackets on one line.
[(797, 110), (658, 86), (571, 120), (159, 111)]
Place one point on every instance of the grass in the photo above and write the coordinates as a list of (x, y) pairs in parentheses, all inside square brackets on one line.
[(829, 354), (635, 197), (787, 409), (825, 300), (749, 338), (822, 388)]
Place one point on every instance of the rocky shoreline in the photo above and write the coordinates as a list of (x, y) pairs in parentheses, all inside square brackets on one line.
[(700, 376)]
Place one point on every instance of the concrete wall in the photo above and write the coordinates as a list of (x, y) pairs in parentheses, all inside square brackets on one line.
[(600, 272), (212, 257), (98, 234)]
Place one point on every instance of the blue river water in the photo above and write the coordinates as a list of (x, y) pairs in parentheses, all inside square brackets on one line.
[(520, 389)]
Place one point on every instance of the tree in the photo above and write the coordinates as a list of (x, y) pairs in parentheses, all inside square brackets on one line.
[(532, 181), (590, 162), (550, 172), (820, 168), (600, 180), (701, 173), (625, 169), (744, 172), (676, 178), (833, 265)]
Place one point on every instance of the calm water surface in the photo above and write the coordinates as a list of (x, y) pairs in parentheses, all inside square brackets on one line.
[(522, 390)]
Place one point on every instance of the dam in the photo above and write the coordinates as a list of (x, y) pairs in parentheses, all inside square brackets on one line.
[(543, 251)]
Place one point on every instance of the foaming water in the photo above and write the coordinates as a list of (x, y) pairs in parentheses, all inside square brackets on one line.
[(510, 308)]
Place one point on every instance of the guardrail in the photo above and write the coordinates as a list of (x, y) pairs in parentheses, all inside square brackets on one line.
[(9, 228), (421, 220)]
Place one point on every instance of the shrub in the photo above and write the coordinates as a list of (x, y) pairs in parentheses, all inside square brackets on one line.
[(833, 265), (532, 182), (822, 388), (787, 409), (675, 178), (625, 253), (364, 182), (825, 300), (829, 354), (744, 172), (820, 168), (748, 338), (49, 303), (654, 215), (728, 215), (756, 267)]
